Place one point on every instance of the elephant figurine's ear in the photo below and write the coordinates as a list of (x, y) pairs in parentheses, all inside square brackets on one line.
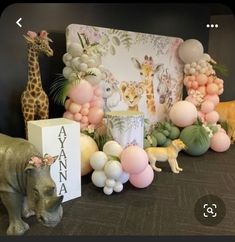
[(29, 168), (49, 160)]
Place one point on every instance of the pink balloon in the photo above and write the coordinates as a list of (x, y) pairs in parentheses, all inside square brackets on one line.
[(194, 85), (95, 115), (81, 93), (192, 78), (84, 111), (201, 79), (212, 117), (68, 115), (86, 105), (74, 107), (84, 120), (220, 142), (83, 125), (77, 116), (220, 91), (213, 98), (183, 113), (142, 179), (189, 84), (186, 78), (97, 103), (98, 92), (210, 79), (207, 106), (134, 159), (212, 88)]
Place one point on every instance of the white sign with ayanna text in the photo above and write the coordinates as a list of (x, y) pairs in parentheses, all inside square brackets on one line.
[(60, 137)]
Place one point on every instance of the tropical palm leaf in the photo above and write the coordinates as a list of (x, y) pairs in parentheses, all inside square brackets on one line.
[(220, 68)]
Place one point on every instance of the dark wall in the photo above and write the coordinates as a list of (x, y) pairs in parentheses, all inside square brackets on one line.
[(179, 20)]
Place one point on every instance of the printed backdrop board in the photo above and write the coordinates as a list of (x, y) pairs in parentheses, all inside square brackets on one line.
[(144, 72)]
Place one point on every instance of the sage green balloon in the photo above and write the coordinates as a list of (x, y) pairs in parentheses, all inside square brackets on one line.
[(196, 139)]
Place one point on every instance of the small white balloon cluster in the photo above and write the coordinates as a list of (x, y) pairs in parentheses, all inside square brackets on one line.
[(108, 173), (199, 67), (83, 60)]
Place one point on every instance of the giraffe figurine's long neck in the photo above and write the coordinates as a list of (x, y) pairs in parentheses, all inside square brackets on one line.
[(34, 84)]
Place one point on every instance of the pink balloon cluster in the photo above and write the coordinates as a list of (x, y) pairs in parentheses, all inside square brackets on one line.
[(84, 104), (134, 160), (206, 85)]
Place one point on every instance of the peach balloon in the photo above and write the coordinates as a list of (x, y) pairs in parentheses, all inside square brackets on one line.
[(183, 113), (213, 98), (220, 142), (134, 159), (194, 85), (86, 105), (84, 119), (83, 125), (142, 179), (220, 91), (201, 79), (210, 79), (74, 108), (207, 106), (186, 79), (68, 115), (77, 116), (201, 116), (189, 84), (95, 115), (81, 93), (84, 111), (212, 117), (98, 92), (212, 88)]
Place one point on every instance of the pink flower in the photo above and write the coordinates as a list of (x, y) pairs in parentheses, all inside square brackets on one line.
[(35, 161)]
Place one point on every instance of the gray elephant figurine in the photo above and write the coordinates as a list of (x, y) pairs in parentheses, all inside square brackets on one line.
[(26, 186)]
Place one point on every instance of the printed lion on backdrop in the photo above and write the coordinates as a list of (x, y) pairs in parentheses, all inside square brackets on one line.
[(132, 93)]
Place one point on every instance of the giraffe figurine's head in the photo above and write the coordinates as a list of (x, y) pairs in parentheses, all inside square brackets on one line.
[(39, 42)]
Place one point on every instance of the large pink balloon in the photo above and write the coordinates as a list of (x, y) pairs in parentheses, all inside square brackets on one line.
[(95, 115), (81, 93), (212, 117), (142, 179), (220, 142), (207, 106), (183, 113), (134, 159), (213, 98)]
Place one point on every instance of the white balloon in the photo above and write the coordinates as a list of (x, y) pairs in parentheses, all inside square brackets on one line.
[(73, 76), (76, 62), (98, 160), (112, 148), (75, 49), (118, 187), (190, 50), (206, 57), (66, 72), (82, 67), (192, 71), (110, 182), (68, 63), (84, 57), (91, 63), (98, 178), (124, 177), (113, 169), (67, 57), (108, 190), (194, 64), (187, 66)]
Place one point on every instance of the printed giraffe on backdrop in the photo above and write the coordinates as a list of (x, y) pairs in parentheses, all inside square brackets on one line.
[(34, 100), (147, 71)]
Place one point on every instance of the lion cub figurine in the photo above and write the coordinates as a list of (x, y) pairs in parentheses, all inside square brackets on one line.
[(169, 154)]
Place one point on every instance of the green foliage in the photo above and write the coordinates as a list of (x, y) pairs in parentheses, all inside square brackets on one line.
[(221, 69)]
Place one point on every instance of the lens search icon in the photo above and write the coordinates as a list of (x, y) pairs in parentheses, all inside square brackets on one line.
[(209, 210)]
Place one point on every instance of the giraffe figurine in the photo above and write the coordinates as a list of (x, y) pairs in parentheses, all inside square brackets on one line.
[(147, 71), (34, 100)]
